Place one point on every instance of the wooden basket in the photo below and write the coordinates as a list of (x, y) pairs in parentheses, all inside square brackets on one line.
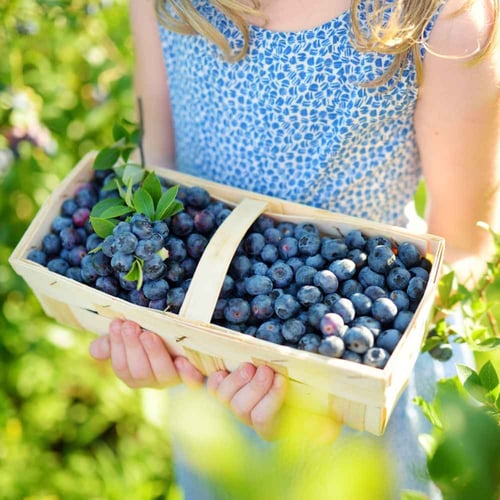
[(360, 396)]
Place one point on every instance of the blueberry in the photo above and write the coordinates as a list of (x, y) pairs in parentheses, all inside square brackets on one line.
[(376, 357), (214, 207), (426, 264), (174, 272), (93, 241), (375, 292), (51, 244), (402, 320), (362, 304), (257, 285), (227, 286), (398, 278), (121, 262), (401, 299), (293, 329), (101, 264), (381, 259), (81, 217), (371, 323), (367, 277), (286, 306), (332, 346), (384, 310), (158, 304), (176, 249), (352, 356), (317, 261), (358, 257), (197, 197), (175, 298), (376, 241), (288, 247), (142, 228), (75, 255), (161, 227), (442, 352), (144, 249), (420, 272), (195, 245), (237, 310), (358, 339), (332, 324), (270, 331), (409, 254), (344, 308), (292, 289), (308, 295), (153, 268), (86, 197), (38, 256), (155, 289), (305, 275), (222, 216), (416, 288), (350, 287), (343, 269), (275, 293), (281, 274), (60, 222), (330, 299), (89, 274), (122, 227), (269, 253), (126, 284), (108, 246), (259, 268), (309, 244), (355, 240), (333, 249), (74, 273), (305, 228), (262, 307), (69, 207), (204, 222), (138, 298), (254, 244), (287, 229), (182, 224), (240, 267), (219, 309), (272, 235), (310, 342), (70, 238), (108, 284), (388, 339), (315, 314), (263, 223), (189, 267), (326, 280), (250, 330), (58, 265)]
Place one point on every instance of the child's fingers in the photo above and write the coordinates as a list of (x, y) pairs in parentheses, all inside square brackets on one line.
[(188, 373), (264, 413), (100, 348), (118, 356), (160, 360), (214, 380), (234, 382), (244, 401), (137, 360)]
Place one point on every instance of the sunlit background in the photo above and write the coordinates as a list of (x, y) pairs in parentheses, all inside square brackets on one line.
[(68, 427)]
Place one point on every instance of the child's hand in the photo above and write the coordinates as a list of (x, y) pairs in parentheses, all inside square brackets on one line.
[(255, 395), (141, 359)]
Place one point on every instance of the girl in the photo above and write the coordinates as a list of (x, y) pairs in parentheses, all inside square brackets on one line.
[(333, 105)]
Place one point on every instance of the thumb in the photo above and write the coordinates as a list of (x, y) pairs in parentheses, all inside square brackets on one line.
[(100, 348)]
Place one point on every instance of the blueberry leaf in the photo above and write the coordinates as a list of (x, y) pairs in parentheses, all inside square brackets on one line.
[(165, 202), (472, 383), (429, 412), (152, 185), (135, 273), (133, 172), (432, 342), (128, 195), (126, 152), (143, 203), (106, 158), (490, 344), (488, 376), (101, 206), (111, 185), (103, 227), (445, 286), (116, 211), (119, 132), (136, 136)]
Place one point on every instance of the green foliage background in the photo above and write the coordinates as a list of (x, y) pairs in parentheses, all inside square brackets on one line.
[(68, 428)]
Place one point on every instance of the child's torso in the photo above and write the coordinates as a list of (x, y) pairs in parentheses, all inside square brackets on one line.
[(291, 119)]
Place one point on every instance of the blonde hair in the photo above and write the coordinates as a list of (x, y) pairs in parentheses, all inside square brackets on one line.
[(390, 29)]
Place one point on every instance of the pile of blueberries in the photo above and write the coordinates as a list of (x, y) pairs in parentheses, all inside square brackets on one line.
[(348, 296)]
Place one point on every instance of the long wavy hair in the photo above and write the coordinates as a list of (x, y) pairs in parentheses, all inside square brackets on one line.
[(391, 27)]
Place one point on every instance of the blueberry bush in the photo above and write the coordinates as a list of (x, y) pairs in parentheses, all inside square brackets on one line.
[(69, 429)]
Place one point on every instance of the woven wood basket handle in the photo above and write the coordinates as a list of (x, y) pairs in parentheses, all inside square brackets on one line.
[(206, 284)]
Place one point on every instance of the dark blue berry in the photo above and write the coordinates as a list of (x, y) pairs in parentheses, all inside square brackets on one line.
[(315, 314), (332, 347), (197, 197), (240, 267), (381, 259), (371, 323), (153, 268), (375, 292), (69, 207), (51, 244), (367, 277), (204, 222), (401, 299), (388, 339), (305, 275), (269, 253), (286, 306), (416, 288), (333, 249), (384, 310), (59, 266), (409, 254), (358, 339), (308, 295), (257, 285), (70, 238), (262, 307), (121, 262), (376, 357), (93, 241), (237, 310), (293, 329), (362, 304), (350, 287), (310, 342), (272, 235), (195, 245), (344, 308), (288, 247), (402, 320), (343, 269), (317, 261), (155, 289), (326, 281), (281, 274), (108, 284), (270, 331), (60, 222), (355, 240), (332, 324), (254, 244), (101, 263), (309, 244), (38, 256)]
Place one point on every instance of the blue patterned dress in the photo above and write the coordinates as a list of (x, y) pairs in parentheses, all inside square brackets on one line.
[(291, 120)]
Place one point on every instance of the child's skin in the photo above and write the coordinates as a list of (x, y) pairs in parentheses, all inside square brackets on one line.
[(457, 123)]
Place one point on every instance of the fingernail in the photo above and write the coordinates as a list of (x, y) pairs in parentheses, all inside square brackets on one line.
[(247, 372), (129, 330), (180, 363), (147, 340), (116, 337), (262, 374)]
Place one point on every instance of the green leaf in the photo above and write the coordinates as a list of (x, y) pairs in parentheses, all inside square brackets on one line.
[(488, 345), (106, 158), (488, 376), (498, 402), (421, 199), (428, 443), (445, 287), (429, 411), (101, 206), (135, 273), (119, 132), (126, 152), (432, 342), (103, 227), (413, 495), (152, 185), (143, 203), (117, 211), (472, 383), (128, 195), (166, 199), (110, 185), (133, 172), (136, 136)]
